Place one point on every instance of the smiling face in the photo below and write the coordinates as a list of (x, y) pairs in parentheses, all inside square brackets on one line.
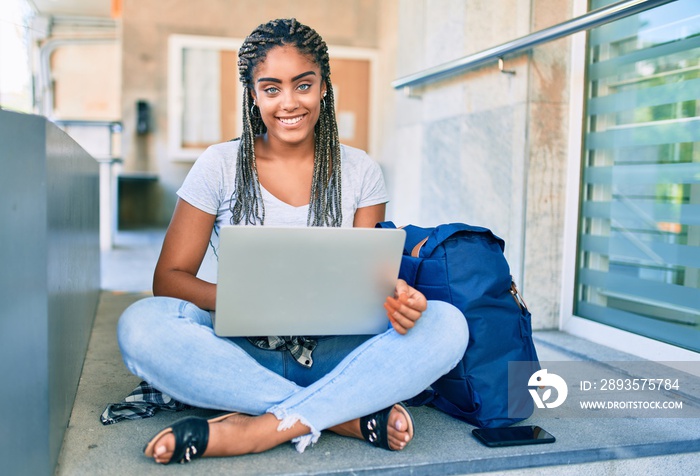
[(288, 88)]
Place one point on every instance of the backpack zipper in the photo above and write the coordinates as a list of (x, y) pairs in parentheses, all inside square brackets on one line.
[(517, 296)]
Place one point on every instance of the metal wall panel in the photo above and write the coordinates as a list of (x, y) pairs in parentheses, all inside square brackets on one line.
[(49, 285)]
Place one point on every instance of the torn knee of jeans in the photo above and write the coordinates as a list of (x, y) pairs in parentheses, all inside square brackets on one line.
[(288, 421)]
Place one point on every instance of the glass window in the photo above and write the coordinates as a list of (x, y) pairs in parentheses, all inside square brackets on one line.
[(15, 71), (639, 231)]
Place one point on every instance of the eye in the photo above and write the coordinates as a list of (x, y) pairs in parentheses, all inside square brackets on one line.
[(304, 87), (271, 90)]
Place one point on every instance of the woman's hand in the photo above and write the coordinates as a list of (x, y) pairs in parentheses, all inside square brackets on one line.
[(405, 307)]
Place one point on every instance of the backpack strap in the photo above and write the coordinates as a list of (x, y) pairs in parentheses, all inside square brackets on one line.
[(415, 235), (385, 224), (444, 232), (416, 249), (427, 239)]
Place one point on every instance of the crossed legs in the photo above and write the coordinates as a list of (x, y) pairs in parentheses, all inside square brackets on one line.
[(164, 339)]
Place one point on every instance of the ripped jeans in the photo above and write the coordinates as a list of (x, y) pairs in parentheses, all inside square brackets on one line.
[(171, 344)]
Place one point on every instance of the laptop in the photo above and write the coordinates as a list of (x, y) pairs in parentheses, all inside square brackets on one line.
[(277, 281)]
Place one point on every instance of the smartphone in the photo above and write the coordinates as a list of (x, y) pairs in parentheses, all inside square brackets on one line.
[(513, 435)]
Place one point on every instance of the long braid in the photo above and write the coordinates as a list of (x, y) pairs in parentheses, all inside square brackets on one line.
[(326, 196), (325, 202), (247, 185)]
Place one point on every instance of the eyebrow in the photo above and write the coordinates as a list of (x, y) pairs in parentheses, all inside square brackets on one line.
[(275, 80)]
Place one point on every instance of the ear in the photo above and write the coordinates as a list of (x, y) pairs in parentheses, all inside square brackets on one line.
[(323, 89), (252, 94)]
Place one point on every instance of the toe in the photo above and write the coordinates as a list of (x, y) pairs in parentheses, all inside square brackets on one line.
[(164, 448), (397, 442), (397, 431), (399, 422)]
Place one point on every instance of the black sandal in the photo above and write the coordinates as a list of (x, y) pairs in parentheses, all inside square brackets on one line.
[(191, 438), (374, 426)]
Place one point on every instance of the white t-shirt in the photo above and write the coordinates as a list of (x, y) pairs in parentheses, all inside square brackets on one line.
[(210, 184)]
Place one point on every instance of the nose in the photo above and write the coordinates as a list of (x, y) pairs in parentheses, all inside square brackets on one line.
[(289, 101)]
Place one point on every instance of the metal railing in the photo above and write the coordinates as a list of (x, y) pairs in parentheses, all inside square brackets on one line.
[(590, 20)]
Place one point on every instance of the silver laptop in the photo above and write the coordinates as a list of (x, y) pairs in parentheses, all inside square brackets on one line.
[(305, 281)]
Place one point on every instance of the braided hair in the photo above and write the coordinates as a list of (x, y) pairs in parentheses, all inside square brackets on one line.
[(325, 202)]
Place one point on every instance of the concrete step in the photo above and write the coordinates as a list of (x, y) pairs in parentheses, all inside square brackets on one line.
[(441, 445)]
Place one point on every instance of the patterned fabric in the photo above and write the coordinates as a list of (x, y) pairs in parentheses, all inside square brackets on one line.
[(143, 402), (300, 347)]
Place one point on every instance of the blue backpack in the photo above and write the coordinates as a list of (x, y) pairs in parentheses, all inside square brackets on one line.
[(465, 265)]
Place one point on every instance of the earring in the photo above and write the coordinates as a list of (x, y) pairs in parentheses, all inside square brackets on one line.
[(323, 103), (252, 112)]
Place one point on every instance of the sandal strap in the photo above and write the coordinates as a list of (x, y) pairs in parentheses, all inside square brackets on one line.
[(373, 428), (191, 439)]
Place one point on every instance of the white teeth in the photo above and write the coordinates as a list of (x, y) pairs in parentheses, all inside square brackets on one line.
[(290, 120)]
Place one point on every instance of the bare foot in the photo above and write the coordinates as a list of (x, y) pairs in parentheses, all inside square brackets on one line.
[(398, 434), (236, 434)]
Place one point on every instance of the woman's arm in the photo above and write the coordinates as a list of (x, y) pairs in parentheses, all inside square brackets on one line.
[(367, 217), (184, 247)]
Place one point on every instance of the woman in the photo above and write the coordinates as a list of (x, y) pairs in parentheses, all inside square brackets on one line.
[(288, 168)]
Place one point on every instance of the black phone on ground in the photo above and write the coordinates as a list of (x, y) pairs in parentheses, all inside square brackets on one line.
[(513, 436)]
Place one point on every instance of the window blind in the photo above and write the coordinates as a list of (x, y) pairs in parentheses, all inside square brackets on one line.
[(639, 229)]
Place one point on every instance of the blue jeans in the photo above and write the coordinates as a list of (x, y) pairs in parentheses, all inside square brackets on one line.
[(171, 344)]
